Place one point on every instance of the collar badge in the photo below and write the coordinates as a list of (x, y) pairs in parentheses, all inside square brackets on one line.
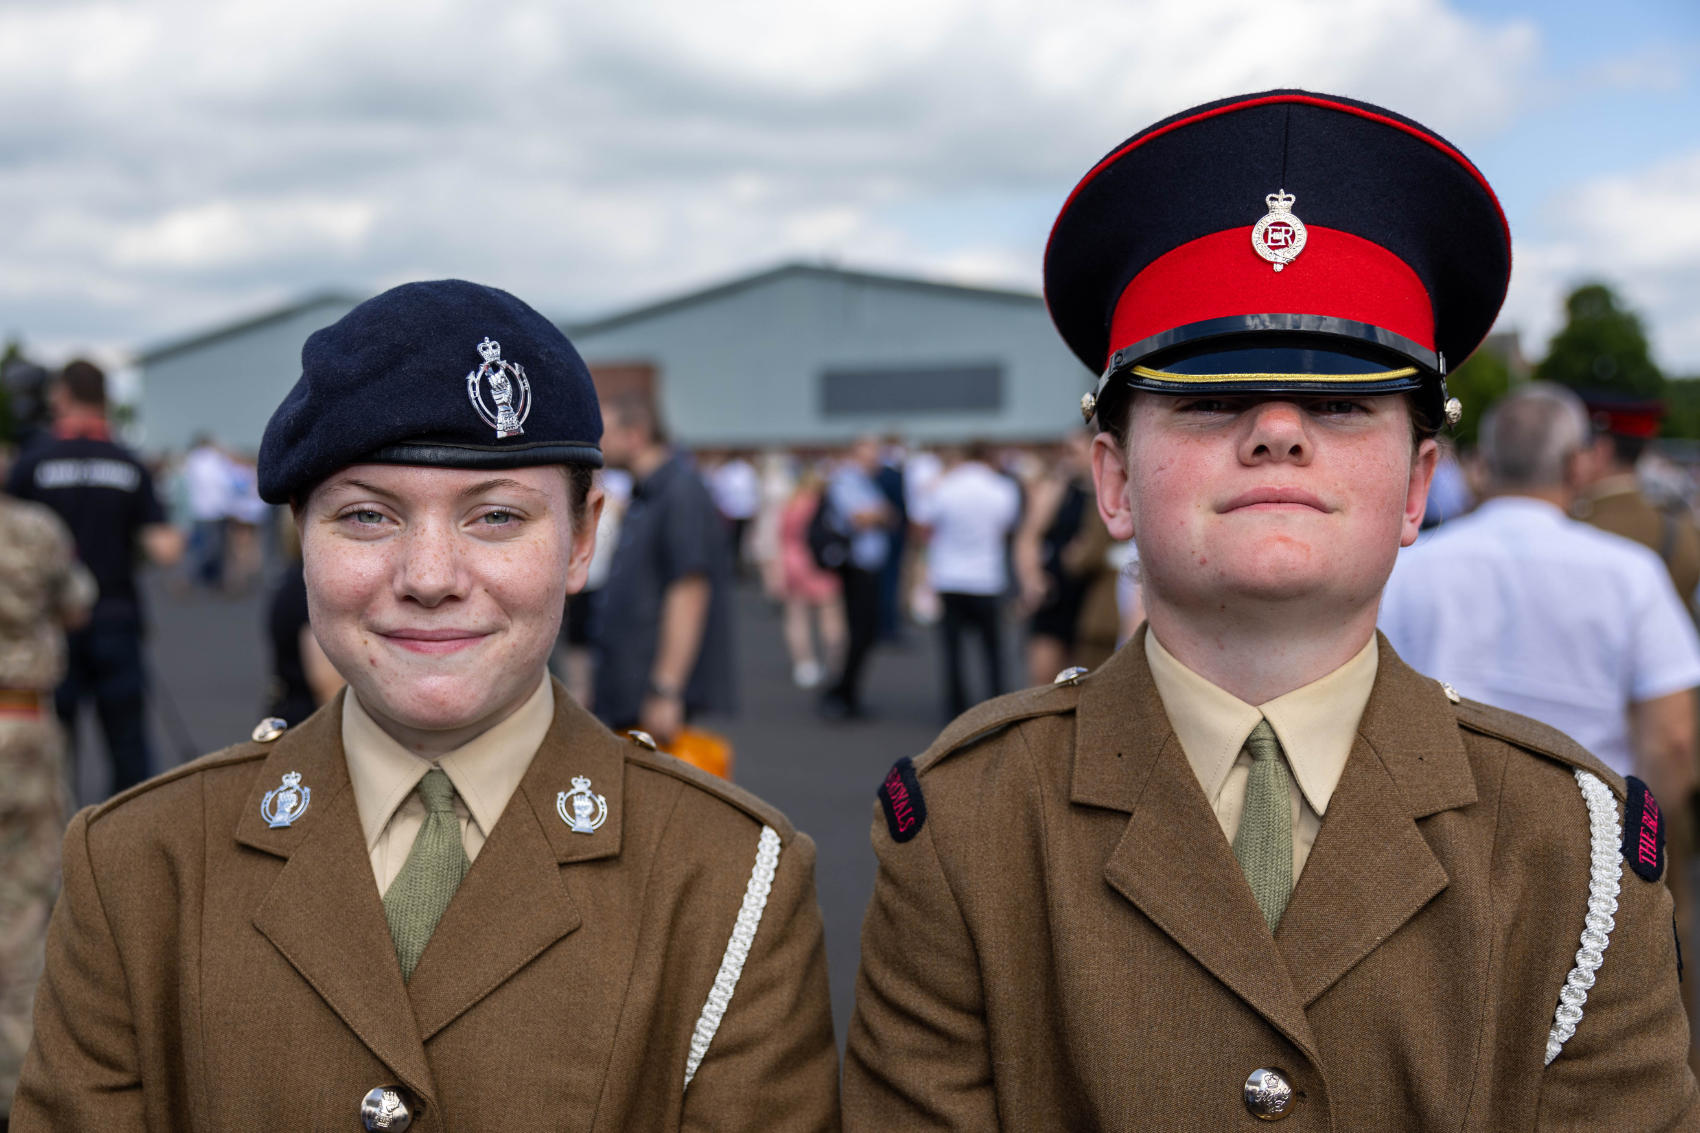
[(510, 394), (582, 810), (1280, 236), (287, 802)]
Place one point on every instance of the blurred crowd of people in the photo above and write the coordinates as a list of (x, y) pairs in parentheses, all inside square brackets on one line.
[(1558, 575)]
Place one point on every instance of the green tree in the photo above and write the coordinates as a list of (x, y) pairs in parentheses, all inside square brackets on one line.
[(1483, 379), (1682, 408), (1602, 348)]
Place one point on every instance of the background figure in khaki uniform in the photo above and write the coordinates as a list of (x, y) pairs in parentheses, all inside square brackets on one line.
[(43, 591), (1614, 501), (450, 900), (1255, 867)]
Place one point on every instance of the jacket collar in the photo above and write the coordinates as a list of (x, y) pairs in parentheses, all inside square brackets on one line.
[(1408, 724), (1173, 864), (324, 914)]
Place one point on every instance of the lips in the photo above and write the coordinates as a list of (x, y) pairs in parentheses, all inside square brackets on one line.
[(1276, 498), (434, 641)]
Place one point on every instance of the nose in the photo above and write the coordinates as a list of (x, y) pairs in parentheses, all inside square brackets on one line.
[(431, 570), (1275, 432)]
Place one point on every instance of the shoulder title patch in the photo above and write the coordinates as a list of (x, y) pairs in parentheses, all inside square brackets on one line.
[(900, 798), (1643, 832)]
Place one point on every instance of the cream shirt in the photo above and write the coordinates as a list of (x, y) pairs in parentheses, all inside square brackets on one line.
[(1316, 725), (485, 772)]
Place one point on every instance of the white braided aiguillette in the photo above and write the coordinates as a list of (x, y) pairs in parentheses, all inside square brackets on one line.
[(737, 950), (1605, 881)]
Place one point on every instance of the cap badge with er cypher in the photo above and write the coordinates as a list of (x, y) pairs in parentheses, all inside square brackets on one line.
[(1280, 236)]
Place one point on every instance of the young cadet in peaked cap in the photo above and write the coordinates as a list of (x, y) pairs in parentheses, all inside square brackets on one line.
[(450, 900), (1254, 868)]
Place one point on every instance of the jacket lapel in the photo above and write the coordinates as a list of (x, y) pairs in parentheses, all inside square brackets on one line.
[(1172, 861), (514, 903), (323, 912), (1371, 869)]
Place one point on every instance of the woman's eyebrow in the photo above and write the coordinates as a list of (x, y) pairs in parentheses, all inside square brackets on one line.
[(509, 482)]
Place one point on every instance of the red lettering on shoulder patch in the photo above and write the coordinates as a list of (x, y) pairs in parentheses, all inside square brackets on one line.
[(1643, 832), (900, 798)]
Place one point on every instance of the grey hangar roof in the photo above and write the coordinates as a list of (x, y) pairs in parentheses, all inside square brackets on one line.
[(800, 354)]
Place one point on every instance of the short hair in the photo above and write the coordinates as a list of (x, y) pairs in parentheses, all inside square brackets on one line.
[(1627, 450), (84, 383), (580, 479), (1528, 438), (638, 413)]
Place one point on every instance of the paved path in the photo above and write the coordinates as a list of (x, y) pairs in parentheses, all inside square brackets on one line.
[(210, 666)]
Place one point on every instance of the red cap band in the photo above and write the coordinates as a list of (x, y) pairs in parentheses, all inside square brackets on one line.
[(1338, 275)]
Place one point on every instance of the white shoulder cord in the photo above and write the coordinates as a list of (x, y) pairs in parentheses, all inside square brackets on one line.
[(1605, 876), (737, 950)]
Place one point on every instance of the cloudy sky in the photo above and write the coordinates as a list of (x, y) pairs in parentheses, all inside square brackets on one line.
[(165, 166)]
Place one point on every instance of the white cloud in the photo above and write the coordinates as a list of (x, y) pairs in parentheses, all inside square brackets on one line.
[(168, 163), (1637, 231)]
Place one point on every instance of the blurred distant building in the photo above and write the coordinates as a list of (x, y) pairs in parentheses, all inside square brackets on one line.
[(815, 356), (226, 381), (797, 355)]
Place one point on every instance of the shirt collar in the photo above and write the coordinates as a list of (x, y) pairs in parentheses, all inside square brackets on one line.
[(485, 770), (1316, 724), (1523, 506)]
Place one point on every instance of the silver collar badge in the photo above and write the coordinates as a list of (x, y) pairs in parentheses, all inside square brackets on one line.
[(1280, 236), (581, 809), (510, 393), (285, 803)]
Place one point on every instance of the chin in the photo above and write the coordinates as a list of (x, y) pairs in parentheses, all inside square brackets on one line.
[(440, 705)]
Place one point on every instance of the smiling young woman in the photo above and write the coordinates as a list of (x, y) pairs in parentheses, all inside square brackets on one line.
[(451, 898)]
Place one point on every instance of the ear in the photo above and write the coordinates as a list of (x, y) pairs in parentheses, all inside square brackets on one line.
[(1423, 464), (1109, 474), (584, 541)]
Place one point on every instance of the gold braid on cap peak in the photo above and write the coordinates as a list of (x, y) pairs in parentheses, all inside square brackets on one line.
[(1204, 379)]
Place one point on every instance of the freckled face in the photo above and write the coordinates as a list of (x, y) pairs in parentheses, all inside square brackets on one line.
[(1265, 499), (438, 592)]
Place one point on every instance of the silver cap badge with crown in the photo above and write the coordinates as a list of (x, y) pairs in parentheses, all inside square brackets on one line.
[(510, 392)]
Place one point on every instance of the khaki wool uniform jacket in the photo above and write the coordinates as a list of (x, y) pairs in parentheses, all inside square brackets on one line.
[(208, 972), (1068, 943), (1624, 510)]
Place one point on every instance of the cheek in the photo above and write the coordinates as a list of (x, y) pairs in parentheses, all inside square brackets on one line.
[(531, 577)]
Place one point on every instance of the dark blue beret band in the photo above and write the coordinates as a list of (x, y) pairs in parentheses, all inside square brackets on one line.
[(444, 373)]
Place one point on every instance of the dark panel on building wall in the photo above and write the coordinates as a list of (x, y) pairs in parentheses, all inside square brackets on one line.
[(912, 389)]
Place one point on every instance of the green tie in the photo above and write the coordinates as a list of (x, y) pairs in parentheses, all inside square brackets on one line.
[(427, 881), (1264, 843)]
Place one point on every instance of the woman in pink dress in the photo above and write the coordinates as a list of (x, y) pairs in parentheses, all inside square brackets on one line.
[(810, 594)]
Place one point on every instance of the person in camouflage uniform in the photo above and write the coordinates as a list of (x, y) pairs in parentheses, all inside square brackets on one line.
[(43, 589)]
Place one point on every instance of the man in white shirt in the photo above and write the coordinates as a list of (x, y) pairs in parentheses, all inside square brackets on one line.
[(968, 516), (1521, 607)]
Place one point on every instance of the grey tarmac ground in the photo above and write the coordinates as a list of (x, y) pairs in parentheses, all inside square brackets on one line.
[(209, 662)]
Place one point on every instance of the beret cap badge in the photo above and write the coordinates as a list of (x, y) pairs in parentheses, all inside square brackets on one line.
[(1280, 236), (510, 392)]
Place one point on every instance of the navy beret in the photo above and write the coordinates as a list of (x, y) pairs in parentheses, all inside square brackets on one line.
[(444, 373), (1283, 241)]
